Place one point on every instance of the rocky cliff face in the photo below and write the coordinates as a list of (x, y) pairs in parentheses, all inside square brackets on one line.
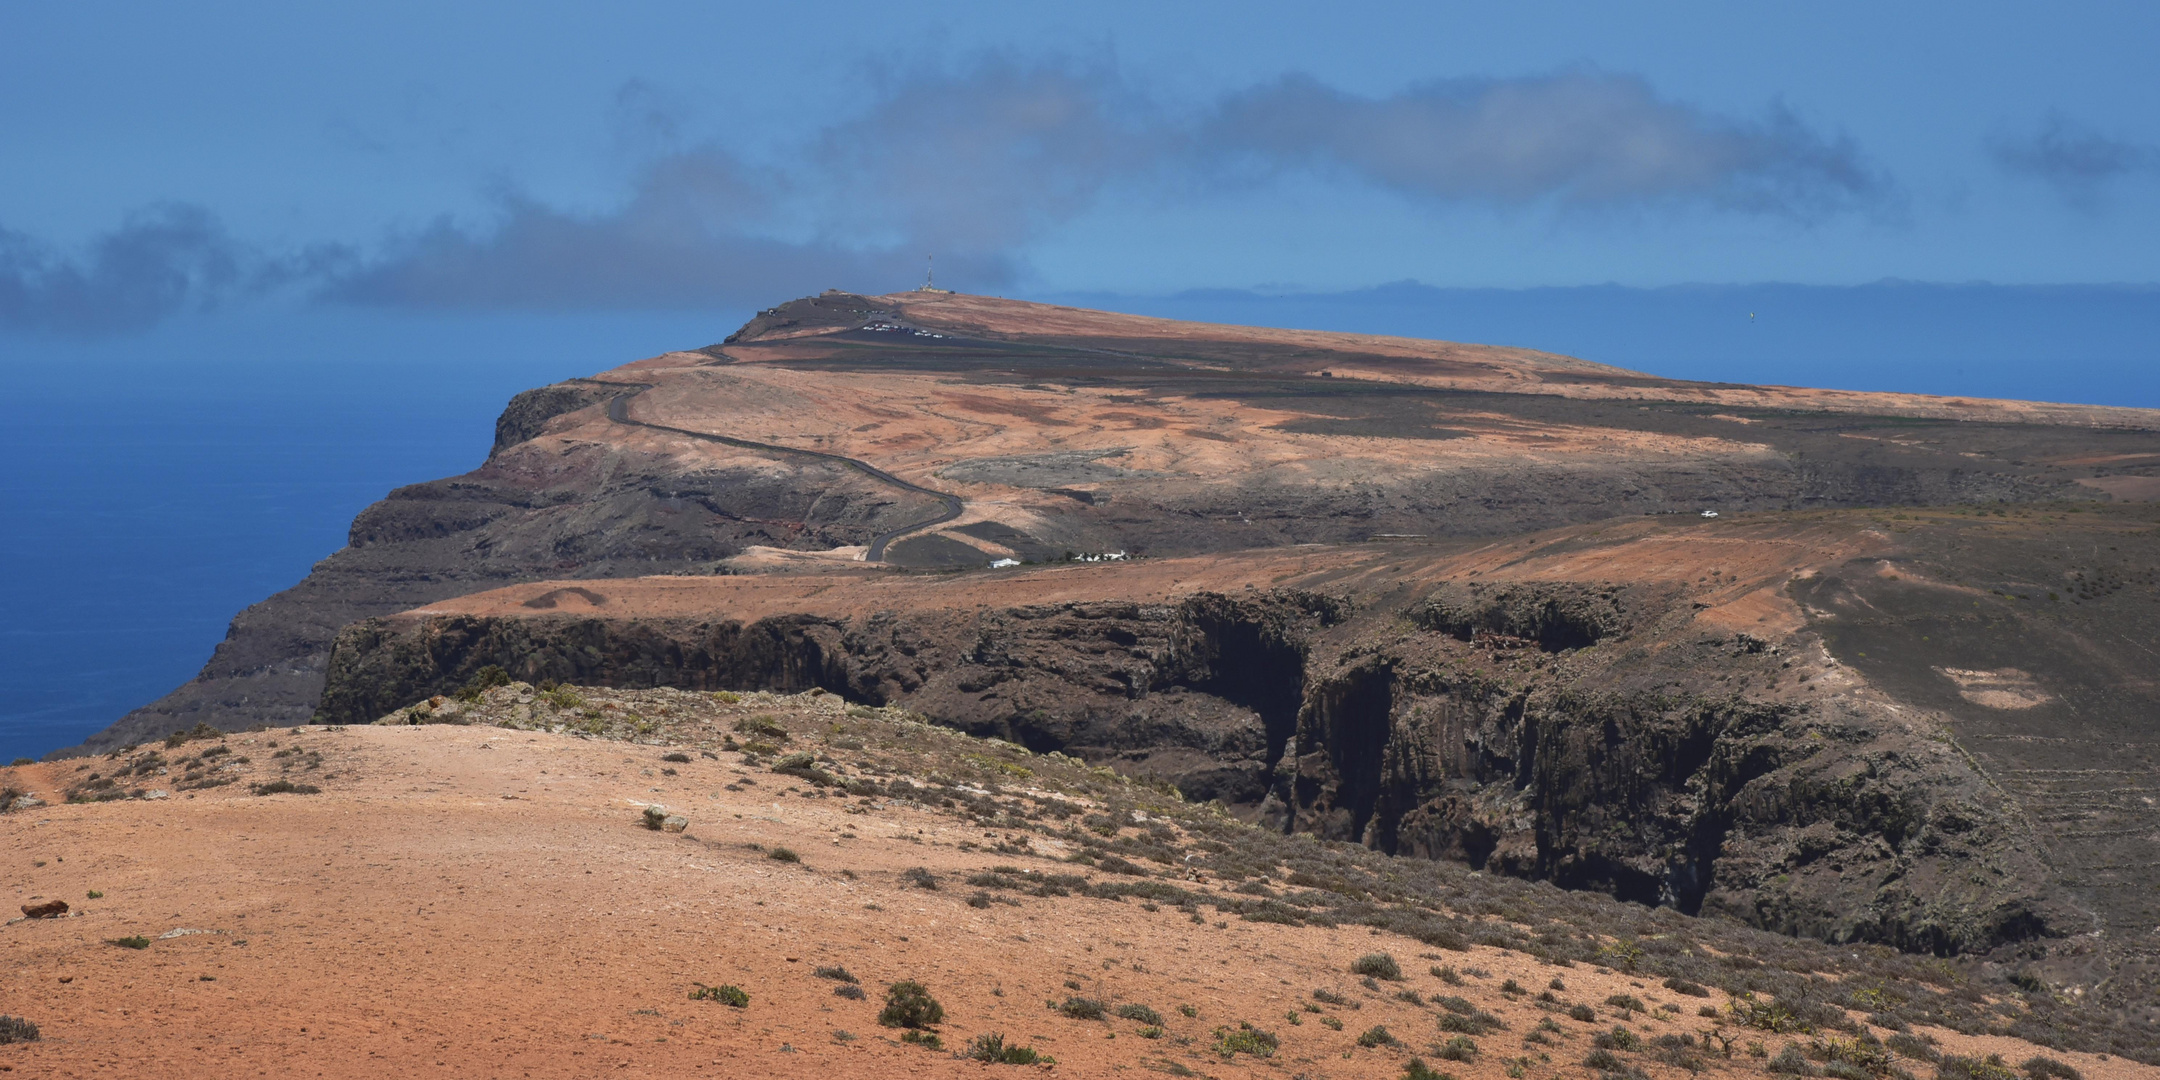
[(1597, 736), (543, 506)]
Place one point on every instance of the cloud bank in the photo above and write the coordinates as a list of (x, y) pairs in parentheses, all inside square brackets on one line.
[(160, 261), (1581, 138), (2078, 162), (976, 165)]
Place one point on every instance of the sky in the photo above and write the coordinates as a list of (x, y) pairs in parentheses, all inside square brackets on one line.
[(161, 159)]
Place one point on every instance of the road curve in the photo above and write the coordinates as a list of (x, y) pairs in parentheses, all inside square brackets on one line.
[(618, 410)]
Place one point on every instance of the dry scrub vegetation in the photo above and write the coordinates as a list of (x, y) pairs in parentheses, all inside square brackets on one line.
[(1055, 827)]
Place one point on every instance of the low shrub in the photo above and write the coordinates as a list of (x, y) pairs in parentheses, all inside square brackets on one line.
[(285, 787), (1080, 1008), (1478, 1022), (1416, 1069), (1682, 986), (849, 991), (764, 725), (1377, 1035), (1912, 1046), (1790, 1062), (1447, 975), (908, 1004), (1377, 965), (1136, 1011), (920, 877), (1247, 1039), (1747, 1010), (1626, 1003), (1332, 998), (839, 974), (1990, 1067), (1604, 1061), (1582, 1012), (1619, 1038), (1460, 1048), (15, 1029), (781, 854), (678, 758), (2039, 1068), (726, 994), (135, 942), (991, 1047), (928, 1040)]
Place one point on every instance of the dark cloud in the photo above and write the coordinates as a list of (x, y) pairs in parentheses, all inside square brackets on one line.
[(159, 262), (974, 165), (1577, 138), (688, 238), (2075, 160), (982, 160)]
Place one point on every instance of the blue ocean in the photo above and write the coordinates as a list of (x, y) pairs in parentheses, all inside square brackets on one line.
[(155, 485)]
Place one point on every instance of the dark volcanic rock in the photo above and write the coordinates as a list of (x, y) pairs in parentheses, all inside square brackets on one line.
[(1592, 736)]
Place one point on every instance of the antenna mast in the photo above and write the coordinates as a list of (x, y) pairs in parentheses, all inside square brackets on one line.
[(929, 284)]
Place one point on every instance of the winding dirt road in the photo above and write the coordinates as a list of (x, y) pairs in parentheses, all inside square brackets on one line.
[(618, 410)]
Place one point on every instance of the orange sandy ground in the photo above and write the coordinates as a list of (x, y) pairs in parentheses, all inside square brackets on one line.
[(478, 902)]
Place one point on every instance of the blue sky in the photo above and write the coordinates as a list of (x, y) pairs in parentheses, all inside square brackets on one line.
[(162, 158)]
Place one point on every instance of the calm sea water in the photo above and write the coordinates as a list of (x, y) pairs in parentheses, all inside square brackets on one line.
[(152, 487)]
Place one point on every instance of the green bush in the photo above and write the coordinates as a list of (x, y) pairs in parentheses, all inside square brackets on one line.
[(1377, 965), (1605, 1061), (1990, 1067), (1416, 1069), (1913, 1046), (908, 1004), (1376, 1035), (1080, 1008), (928, 1040), (135, 942), (15, 1029), (2040, 1068), (1247, 1039), (1134, 1011), (1460, 1048), (991, 1047), (1791, 1062), (781, 854), (1582, 1013), (839, 974), (1619, 1038), (1682, 986), (725, 994), (285, 787), (483, 680)]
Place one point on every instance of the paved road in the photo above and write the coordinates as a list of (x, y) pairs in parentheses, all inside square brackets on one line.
[(618, 410)]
